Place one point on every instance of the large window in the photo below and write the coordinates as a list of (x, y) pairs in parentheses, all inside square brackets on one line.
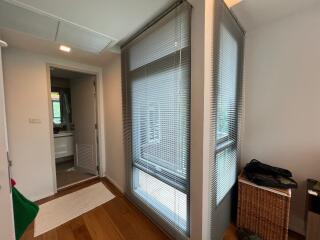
[(157, 90), (227, 101), (225, 112)]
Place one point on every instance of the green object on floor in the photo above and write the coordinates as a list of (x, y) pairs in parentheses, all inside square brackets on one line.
[(24, 211)]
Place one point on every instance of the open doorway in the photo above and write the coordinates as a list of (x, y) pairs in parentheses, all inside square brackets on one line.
[(74, 118)]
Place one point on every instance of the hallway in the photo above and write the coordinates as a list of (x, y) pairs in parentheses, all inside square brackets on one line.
[(114, 220)]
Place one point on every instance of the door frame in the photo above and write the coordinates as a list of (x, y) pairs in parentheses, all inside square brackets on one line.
[(101, 153), (5, 171)]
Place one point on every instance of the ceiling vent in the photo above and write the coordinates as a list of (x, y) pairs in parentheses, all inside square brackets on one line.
[(45, 26), (81, 38), (23, 20)]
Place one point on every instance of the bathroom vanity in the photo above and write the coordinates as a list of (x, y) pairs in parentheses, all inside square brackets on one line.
[(63, 144)]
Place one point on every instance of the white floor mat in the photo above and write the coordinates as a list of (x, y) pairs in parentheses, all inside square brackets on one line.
[(63, 209)]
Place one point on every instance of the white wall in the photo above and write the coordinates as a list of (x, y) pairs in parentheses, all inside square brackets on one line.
[(6, 213), (26, 92), (115, 165), (201, 83), (282, 100)]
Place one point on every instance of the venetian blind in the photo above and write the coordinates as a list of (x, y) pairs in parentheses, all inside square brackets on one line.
[(156, 67), (225, 115)]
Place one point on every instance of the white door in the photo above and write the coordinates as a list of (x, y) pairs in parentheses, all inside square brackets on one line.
[(83, 102), (6, 210)]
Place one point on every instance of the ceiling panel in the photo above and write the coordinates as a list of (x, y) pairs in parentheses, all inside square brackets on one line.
[(117, 19), (82, 38), (20, 19), (30, 43)]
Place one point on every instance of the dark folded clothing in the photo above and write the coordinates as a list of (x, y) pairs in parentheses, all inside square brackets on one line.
[(269, 176), (259, 167), (271, 181)]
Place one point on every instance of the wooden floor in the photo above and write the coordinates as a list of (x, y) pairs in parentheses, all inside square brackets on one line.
[(117, 219), (67, 174), (231, 234)]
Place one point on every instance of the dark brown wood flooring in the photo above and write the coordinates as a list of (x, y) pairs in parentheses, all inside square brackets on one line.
[(231, 234), (117, 219)]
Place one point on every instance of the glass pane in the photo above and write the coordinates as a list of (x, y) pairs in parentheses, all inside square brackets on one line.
[(165, 199), (160, 116), (226, 163), (157, 85), (227, 84), (226, 159), (56, 112)]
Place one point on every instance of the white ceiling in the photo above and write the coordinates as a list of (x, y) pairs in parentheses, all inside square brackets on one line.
[(37, 45), (255, 13), (113, 19), (117, 19)]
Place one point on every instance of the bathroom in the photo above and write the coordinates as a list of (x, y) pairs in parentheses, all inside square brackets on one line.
[(74, 122)]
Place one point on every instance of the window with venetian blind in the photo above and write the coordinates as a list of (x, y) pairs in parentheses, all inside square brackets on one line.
[(225, 115), (156, 89)]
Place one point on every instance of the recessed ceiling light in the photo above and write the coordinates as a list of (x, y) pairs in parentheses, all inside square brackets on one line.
[(64, 48)]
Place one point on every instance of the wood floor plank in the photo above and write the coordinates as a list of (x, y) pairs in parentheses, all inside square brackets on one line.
[(79, 229), (117, 219), (51, 235), (100, 226), (122, 222), (65, 232), (130, 222)]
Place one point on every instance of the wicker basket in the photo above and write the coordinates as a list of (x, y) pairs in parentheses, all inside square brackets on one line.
[(262, 210)]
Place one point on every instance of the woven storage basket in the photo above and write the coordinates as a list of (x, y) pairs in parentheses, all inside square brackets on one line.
[(262, 210)]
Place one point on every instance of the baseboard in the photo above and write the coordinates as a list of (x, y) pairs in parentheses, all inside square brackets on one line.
[(115, 184), (296, 235), (297, 225), (40, 197), (77, 183)]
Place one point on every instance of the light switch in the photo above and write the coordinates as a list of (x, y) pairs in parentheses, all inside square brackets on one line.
[(34, 120)]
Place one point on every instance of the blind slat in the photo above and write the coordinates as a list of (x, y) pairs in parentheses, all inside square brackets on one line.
[(225, 115), (157, 120)]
